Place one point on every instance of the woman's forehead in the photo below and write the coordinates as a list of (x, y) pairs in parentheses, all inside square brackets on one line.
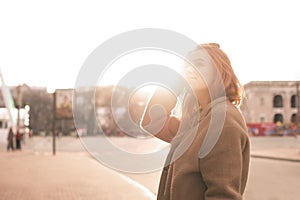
[(197, 59)]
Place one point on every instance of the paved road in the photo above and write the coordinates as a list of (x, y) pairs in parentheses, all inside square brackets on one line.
[(273, 180), (268, 179), (35, 176)]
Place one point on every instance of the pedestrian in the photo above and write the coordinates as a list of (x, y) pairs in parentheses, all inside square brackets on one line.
[(209, 154), (18, 140), (30, 133), (10, 140)]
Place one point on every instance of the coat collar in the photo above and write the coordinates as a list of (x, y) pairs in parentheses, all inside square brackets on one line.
[(206, 109)]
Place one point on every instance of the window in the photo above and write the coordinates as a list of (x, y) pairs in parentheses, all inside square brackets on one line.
[(277, 101), (294, 118), (294, 101), (262, 119), (278, 118)]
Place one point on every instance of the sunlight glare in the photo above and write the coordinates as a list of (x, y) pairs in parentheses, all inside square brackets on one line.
[(128, 62)]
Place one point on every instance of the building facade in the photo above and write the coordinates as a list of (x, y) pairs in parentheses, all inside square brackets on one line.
[(270, 102)]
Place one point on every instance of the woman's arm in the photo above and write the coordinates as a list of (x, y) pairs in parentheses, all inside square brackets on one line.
[(157, 118), (225, 168)]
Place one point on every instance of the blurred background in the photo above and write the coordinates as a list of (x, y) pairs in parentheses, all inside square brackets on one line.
[(44, 45)]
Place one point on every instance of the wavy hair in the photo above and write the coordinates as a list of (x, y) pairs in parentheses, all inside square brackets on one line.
[(215, 67)]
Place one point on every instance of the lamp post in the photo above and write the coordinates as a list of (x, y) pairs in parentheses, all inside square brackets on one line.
[(19, 103), (52, 92), (53, 125)]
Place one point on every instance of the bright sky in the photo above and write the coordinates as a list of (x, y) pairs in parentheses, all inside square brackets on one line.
[(44, 43)]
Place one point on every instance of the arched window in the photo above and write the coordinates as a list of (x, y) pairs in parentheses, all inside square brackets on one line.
[(294, 101), (277, 101), (278, 118), (294, 118)]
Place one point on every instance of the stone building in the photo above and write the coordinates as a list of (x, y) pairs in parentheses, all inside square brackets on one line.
[(270, 101)]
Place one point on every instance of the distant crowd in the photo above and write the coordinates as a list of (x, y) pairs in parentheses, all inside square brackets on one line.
[(273, 129)]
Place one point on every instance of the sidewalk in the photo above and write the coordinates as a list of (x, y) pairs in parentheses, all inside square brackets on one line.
[(276, 148), (284, 154), (33, 176)]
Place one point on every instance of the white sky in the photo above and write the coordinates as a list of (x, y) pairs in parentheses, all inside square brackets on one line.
[(44, 43)]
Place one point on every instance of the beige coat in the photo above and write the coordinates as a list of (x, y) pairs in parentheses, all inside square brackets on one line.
[(209, 170)]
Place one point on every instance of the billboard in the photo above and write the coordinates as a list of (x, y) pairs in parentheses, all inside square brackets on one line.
[(63, 104)]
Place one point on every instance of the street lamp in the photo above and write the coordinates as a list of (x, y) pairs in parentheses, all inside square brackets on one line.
[(51, 91)]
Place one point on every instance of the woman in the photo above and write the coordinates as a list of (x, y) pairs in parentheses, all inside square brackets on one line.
[(209, 156)]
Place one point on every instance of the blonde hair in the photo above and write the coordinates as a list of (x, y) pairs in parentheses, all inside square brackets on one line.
[(233, 89)]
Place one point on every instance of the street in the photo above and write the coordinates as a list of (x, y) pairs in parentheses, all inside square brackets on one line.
[(269, 179), (273, 180)]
